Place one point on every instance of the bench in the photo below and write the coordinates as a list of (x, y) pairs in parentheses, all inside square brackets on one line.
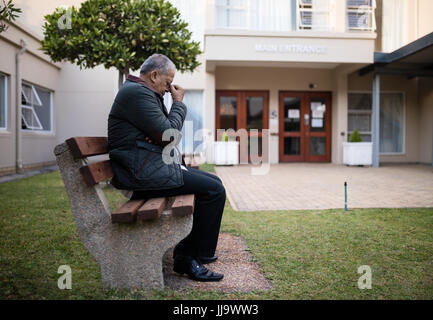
[(130, 242)]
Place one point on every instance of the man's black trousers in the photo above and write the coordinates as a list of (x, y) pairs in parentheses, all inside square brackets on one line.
[(210, 197)]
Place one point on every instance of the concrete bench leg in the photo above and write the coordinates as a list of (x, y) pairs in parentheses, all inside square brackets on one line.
[(138, 249), (129, 255)]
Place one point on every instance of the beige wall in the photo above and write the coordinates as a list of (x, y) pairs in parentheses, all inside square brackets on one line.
[(425, 21), (37, 147), (412, 130), (84, 101), (417, 19), (7, 137), (35, 10), (426, 120)]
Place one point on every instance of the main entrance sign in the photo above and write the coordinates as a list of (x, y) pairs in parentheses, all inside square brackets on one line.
[(292, 48)]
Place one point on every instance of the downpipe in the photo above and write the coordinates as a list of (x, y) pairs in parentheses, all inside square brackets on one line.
[(18, 144)]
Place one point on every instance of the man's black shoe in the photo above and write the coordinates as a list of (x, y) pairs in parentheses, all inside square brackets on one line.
[(194, 269), (207, 260)]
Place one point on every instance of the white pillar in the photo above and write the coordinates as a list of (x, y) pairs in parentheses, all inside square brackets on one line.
[(339, 115), (209, 118), (338, 16)]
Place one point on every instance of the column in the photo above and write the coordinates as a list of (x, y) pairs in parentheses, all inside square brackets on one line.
[(376, 119)]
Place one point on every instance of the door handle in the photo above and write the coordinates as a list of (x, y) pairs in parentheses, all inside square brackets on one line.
[(306, 119)]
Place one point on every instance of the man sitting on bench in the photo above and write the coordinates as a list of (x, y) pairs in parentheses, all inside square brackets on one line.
[(136, 124)]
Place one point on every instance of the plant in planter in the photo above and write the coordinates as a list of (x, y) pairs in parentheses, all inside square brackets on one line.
[(356, 152), (355, 136)]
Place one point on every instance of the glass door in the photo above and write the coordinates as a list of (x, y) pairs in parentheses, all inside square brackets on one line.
[(291, 129), (247, 110), (305, 126)]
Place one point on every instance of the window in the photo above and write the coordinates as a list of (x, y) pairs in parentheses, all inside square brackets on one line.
[(360, 15), (36, 108), (3, 102), (192, 130), (391, 119), (393, 25), (359, 115), (264, 15), (193, 12), (391, 122), (231, 14), (314, 15)]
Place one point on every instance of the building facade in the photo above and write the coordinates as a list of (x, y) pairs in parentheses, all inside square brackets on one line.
[(289, 66)]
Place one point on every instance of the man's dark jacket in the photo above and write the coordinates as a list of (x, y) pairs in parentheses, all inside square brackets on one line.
[(138, 113)]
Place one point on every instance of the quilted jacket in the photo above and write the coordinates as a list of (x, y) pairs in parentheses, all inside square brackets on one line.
[(138, 113)]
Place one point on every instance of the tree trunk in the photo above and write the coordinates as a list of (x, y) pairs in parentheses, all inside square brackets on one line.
[(122, 76), (120, 79)]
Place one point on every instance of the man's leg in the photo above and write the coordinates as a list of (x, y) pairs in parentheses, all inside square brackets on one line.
[(210, 199)]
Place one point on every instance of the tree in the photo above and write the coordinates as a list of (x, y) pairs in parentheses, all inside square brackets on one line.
[(120, 34), (8, 12)]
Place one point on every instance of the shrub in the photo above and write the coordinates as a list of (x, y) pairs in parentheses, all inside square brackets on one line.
[(355, 136)]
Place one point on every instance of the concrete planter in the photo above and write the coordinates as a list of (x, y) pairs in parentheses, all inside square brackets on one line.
[(358, 153), (226, 152)]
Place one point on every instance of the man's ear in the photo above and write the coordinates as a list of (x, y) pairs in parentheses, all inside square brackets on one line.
[(153, 75)]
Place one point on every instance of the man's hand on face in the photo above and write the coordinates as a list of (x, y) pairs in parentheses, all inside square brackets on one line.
[(177, 92)]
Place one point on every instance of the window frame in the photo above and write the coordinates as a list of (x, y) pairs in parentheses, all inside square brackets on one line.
[(354, 111), (300, 7), (403, 93), (250, 11), (363, 8), (38, 131), (227, 9), (6, 99)]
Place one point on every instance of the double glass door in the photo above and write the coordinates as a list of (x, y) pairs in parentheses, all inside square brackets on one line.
[(305, 126), (243, 110)]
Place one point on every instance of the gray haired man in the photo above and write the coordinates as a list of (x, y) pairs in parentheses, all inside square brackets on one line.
[(136, 124)]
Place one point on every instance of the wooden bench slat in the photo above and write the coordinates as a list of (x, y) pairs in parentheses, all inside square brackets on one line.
[(96, 172), (151, 209), (82, 147), (127, 212), (183, 205)]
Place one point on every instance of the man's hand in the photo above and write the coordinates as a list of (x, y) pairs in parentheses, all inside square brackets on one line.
[(177, 92)]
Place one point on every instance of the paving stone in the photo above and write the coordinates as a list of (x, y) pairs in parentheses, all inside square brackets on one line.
[(294, 186)]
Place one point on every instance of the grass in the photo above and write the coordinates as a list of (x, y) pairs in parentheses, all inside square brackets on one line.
[(305, 254)]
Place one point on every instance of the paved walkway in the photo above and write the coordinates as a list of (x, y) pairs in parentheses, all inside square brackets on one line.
[(297, 186), (28, 173)]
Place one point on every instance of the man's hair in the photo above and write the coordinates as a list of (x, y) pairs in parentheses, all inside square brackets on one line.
[(158, 62)]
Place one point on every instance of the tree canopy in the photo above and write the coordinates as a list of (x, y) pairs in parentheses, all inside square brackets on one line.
[(8, 12), (120, 34)]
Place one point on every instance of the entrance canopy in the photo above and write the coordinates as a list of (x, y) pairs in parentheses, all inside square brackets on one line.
[(412, 60)]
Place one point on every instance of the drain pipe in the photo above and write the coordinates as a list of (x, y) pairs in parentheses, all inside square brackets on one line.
[(18, 85)]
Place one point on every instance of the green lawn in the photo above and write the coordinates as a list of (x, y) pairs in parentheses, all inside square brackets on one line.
[(305, 254)]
